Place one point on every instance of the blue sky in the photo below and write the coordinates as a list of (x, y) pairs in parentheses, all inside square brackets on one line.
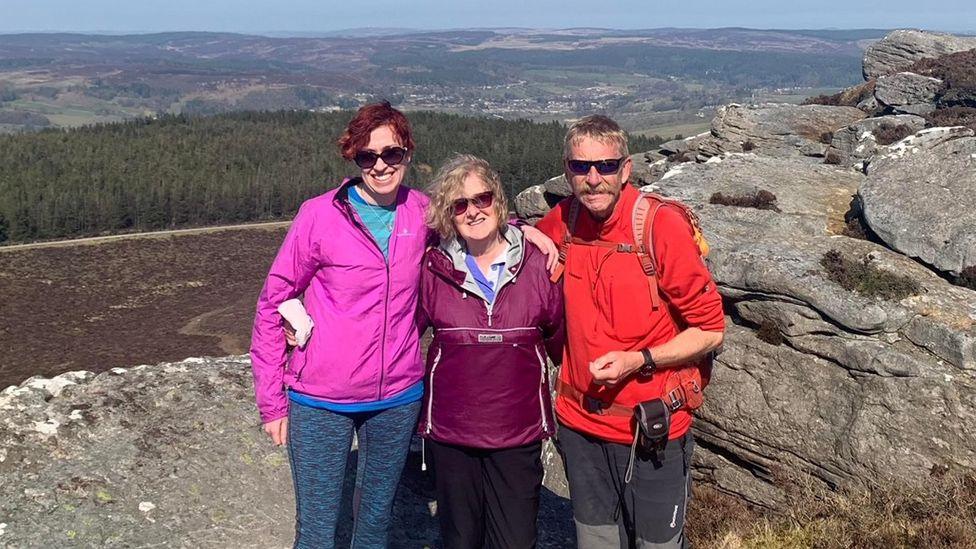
[(324, 15)]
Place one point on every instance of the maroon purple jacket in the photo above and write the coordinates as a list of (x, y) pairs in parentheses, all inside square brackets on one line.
[(487, 384)]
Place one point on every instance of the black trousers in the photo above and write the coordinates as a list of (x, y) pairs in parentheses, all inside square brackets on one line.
[(648, 512), (487, 498)]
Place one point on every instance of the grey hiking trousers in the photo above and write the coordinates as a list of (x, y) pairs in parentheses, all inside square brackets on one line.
[(648, 512)]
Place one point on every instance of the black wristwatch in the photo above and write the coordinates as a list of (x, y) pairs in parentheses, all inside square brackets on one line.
[(647, 369)]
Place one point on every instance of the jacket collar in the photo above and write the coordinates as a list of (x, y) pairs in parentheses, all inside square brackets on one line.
[(450, 262), (341, 197)]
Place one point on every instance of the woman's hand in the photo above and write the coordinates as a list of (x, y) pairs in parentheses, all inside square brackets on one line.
[(545, 245), (290, 338), (277, 429)]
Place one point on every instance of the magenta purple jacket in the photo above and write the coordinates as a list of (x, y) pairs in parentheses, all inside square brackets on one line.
[(487, 382), (365, 346)]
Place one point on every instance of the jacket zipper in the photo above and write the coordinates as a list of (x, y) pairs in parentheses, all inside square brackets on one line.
[(489, 307), (430, 401), (542, 386), (386, 316), (386, 296)]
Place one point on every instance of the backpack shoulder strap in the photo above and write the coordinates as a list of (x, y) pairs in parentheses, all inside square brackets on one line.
[(642, 223), (574, 207), (645, 210)]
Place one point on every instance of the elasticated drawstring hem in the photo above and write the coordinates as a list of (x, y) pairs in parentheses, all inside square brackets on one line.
[(423, 454)]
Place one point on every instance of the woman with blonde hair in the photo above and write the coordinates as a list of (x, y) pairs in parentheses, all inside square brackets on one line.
[(495, 315)]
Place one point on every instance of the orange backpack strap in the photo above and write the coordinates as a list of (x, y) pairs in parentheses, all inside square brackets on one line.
[(567, 240), (642, 221)]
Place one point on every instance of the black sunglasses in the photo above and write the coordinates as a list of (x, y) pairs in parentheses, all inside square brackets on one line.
[(391, 157), (609, 166), (480, 200)]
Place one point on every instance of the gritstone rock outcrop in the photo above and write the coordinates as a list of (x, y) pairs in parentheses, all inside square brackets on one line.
[(846, 360)]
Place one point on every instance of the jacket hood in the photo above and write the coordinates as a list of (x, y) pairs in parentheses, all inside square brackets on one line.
[(455, 268)]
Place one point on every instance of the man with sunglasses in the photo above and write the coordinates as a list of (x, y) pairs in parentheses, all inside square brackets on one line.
[(624, 338)]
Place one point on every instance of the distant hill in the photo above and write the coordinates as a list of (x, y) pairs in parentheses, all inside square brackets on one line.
[(67, 79)]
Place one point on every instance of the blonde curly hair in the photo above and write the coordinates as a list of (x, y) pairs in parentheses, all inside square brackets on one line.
[(447, 186)]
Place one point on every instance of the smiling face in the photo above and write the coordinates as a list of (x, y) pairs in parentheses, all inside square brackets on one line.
[(598, 193), (382, 181), (475, 225)]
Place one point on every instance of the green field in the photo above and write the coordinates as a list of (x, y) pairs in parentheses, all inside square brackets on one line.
[(794, 97), (670, 130), (68, 114)]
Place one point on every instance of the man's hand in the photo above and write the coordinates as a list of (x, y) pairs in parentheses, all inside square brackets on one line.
[(545, 244), (278, 431), (613, 367)]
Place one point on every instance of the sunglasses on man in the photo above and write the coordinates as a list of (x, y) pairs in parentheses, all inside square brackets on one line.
[(391, 157), (608, 166), (480, 201)]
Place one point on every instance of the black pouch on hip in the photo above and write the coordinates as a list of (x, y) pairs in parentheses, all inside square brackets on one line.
[(653, 424)]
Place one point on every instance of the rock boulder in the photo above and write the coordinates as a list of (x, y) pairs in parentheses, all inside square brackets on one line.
[(775, 129), (902, 48), (907, 92), (852, 380), (919, 197)]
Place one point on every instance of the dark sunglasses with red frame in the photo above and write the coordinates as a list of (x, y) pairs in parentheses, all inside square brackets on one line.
[(480, 201)]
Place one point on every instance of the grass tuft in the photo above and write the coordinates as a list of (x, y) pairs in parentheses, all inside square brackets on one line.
[(886, 134), (760, 200), (935, 512), (866, 279), (769, 333), (953, 116)]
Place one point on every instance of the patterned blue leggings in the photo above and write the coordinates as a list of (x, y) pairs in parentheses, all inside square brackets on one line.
[(318, 447)]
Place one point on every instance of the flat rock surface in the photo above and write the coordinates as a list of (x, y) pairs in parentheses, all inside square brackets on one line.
[(173, 455)]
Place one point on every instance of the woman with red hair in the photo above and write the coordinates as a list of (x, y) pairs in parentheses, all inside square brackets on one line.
[(353, 255)]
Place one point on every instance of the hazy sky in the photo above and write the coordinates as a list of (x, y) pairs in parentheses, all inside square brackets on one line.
[(323, 15)]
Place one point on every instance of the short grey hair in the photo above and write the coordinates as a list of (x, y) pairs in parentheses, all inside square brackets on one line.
[(599, 127)]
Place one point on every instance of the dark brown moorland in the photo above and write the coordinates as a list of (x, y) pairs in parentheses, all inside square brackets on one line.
[(131, 301)]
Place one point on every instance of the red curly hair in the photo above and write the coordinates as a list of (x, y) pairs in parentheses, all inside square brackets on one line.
[(368, 118)]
